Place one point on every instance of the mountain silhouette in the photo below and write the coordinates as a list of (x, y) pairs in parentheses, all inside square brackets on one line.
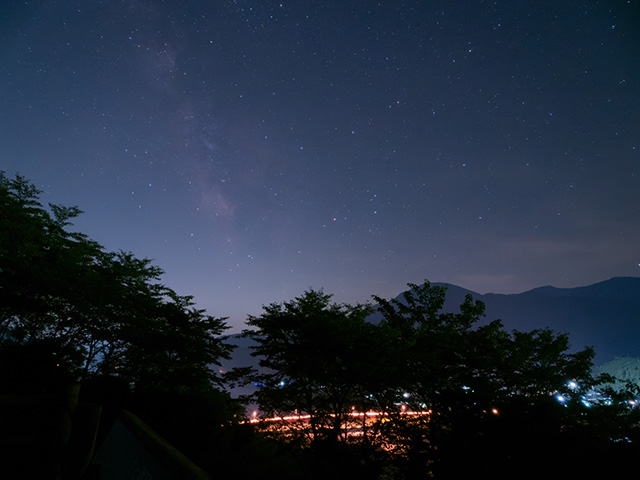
[(605, 316)]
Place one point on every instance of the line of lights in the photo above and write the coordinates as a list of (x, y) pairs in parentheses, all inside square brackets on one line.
[(353, 414)]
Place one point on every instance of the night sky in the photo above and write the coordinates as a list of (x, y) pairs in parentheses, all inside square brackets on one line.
[(254, 149)]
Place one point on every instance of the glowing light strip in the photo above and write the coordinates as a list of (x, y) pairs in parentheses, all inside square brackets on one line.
[(293, 418)]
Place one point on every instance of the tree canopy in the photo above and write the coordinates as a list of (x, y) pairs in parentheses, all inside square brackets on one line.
[(313, 352), (429, 386), (93, 311)]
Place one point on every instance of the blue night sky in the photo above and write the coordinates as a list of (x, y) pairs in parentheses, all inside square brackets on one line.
[(254, 149)]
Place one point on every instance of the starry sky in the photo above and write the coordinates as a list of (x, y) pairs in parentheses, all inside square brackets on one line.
[(254, 148)]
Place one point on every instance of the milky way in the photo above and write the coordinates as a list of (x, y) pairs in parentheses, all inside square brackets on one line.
[(254, 149)]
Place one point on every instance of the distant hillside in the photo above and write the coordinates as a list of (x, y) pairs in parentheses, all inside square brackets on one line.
[(624, 369), (605, 315)]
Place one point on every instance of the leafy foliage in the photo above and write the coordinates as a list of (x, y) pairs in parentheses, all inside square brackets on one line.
[(485, 399), (105, 312), (312, 351), (451, 359)]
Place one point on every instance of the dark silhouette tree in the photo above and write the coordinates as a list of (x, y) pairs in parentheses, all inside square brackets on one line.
[(447, 359), (97, 312), (313, 353), (492, 395), (453, 395)]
